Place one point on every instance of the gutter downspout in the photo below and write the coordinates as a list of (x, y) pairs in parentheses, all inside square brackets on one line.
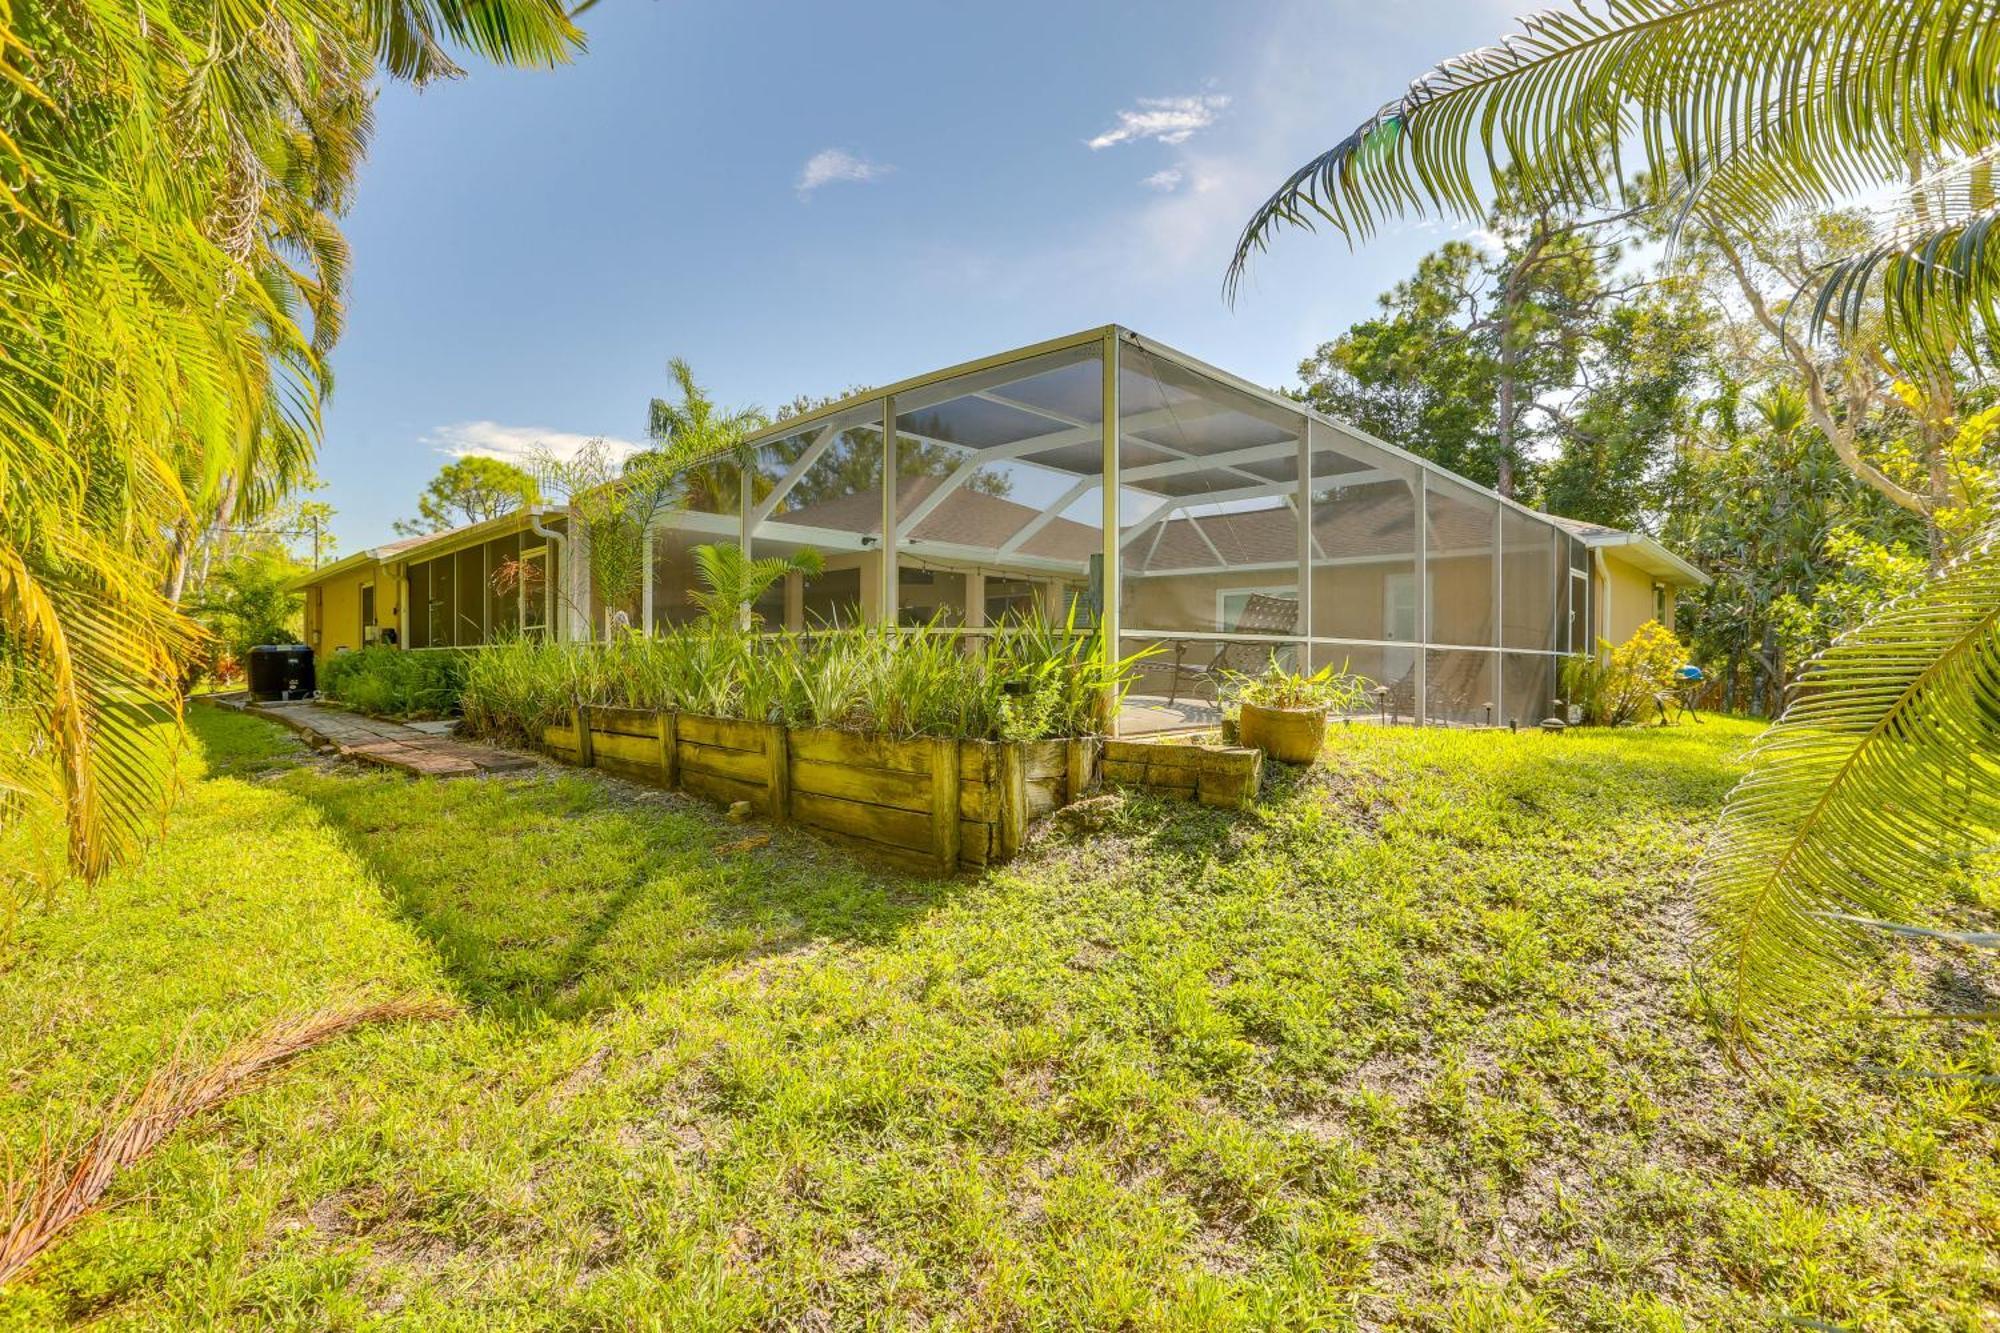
[(561, 544)]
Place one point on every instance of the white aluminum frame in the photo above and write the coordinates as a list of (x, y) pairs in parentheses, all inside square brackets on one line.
[(988, 377)]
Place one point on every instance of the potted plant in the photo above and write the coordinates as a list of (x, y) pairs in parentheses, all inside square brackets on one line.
[(1284, 713)]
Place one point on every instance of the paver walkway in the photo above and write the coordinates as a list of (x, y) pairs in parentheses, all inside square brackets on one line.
[(419, 750)]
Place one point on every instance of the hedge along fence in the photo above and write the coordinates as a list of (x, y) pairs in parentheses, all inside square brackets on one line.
[(930, 802), (926, 802)]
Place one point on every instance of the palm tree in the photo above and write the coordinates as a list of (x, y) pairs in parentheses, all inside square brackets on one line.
[(1732, 112), (703, 438), (731, 582), (693, 464), (169, 180)]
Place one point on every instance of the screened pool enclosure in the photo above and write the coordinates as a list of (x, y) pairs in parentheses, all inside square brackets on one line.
[(1187, 510)]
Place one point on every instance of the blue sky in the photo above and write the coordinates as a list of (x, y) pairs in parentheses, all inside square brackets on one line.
[(802, 197)]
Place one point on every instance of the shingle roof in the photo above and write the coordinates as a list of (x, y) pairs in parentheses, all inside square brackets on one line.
[(964, 517), (1582, 529), (401, 544), (1360, 522), (1376, 519)]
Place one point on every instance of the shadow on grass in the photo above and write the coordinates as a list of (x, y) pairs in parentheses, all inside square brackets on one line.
[(562, 893)]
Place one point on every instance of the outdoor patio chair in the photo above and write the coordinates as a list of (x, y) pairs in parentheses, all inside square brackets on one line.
[(1458, 685), (1399, 700), (1262, 614), (1462, 684)]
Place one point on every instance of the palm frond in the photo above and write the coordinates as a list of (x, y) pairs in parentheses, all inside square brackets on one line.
[(729, 581), (411, 36), (105, 646), (1935, 276), (1746, 106), (1880, 775), (1976, 939), (174, 279)]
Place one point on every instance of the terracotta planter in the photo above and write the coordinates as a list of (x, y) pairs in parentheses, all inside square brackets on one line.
[(1289, 735)]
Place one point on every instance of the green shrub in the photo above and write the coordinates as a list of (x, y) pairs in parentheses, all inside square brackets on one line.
[(1274, 687), (1614, 685), (392, 682), (516, 688), (247, 602), (1025, 681)]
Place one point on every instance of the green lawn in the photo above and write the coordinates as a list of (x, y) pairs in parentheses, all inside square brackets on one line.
[(1414, 1044)]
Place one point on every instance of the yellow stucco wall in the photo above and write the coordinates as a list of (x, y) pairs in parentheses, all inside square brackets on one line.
[(1625, 599), (1347, 599), (1188, 601), (333, 608)]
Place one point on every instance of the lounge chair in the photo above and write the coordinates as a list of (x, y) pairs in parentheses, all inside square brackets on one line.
[(1262, 614)]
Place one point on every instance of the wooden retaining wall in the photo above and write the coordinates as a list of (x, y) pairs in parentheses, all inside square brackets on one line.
[(925, 802), (895, 798), (1005, 784), (1220, 775)]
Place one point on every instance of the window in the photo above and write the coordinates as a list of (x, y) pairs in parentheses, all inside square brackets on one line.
[(441, 602), (416, 597), (367, 614), (930, 597), (500, 596), (534, 589), (768, 611), (1579, 611), (1660, 602), (834, 598), (1399, 621), (468, 599), (1009, 599)]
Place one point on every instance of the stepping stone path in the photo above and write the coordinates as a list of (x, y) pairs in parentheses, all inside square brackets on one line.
[(426, 749)]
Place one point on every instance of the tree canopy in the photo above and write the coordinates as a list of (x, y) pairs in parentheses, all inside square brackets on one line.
[(1740, 114), (171, 178), (471, 490)]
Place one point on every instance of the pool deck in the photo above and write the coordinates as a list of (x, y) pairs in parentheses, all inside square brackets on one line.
[(1150, 715)]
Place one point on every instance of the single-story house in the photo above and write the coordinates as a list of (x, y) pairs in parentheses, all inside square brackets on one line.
[(1215, 521), (463, 587)]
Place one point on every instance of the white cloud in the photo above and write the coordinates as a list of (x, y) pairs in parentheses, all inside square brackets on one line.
[(516, 444), (1166, 180), (1181, 238), (1158, 255), (1168, 120), (831, 165)]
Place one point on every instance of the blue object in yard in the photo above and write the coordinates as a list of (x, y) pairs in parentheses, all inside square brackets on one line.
[(1690, 677)]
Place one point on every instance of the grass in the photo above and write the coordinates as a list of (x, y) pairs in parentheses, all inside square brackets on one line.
[(1413, 1045)]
